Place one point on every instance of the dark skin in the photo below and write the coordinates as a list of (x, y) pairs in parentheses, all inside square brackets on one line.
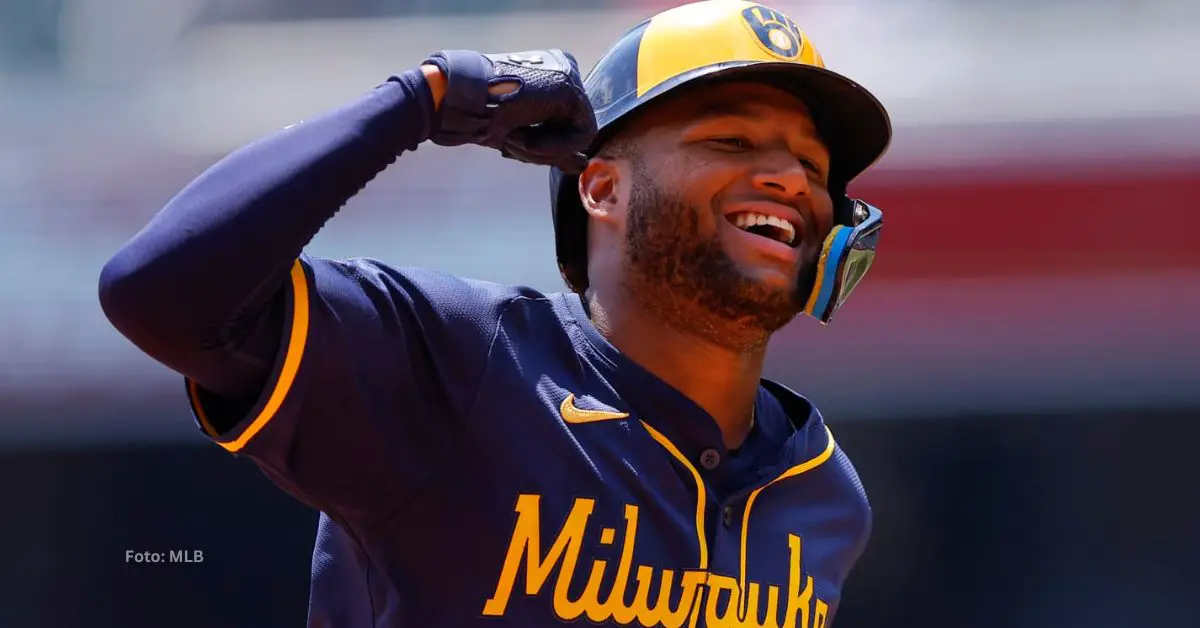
[(673, 283)]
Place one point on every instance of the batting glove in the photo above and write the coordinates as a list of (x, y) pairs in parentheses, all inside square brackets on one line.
[(546, 120)]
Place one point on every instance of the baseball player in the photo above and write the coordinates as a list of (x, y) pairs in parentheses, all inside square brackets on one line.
[(485, 454)]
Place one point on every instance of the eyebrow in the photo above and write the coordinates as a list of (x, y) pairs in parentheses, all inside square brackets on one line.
[(723, 109)]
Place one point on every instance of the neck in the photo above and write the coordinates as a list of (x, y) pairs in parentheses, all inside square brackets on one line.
[(722, 380)]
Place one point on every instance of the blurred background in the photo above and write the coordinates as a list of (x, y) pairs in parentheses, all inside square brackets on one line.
[(1017, 379)]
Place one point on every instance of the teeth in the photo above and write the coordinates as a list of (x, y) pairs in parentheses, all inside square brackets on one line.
[(745, 220)]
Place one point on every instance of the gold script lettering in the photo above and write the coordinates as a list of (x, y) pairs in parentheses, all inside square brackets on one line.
[(650, 605), (799, 597), (526, 543)]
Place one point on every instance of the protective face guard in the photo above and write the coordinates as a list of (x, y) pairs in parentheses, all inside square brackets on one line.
[(845, 258)]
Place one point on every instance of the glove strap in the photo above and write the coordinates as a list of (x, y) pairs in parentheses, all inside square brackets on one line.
[(464, 115)]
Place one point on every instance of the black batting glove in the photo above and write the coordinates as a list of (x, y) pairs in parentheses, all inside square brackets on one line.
[(546, 120)]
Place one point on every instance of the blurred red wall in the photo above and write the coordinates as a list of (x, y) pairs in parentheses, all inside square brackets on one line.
[(1097, 220)]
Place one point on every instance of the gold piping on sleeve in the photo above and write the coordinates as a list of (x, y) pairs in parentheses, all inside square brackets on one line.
[(287, 373)]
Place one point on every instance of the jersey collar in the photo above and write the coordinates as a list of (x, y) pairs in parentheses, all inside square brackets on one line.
[(688, 426)]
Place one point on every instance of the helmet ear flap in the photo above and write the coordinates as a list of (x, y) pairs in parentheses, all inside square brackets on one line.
[(575, 276), (843, 205), (570, 231)]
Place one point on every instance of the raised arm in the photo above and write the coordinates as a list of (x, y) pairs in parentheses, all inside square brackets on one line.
[(326, 371), (202, 276)]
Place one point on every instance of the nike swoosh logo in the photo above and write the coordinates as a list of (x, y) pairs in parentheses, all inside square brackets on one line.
[(572, 414)]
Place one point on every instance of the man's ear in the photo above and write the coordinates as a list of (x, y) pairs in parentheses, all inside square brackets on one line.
[(599, 191)]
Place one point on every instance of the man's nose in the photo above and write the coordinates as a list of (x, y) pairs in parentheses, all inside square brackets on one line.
[(781, 173)]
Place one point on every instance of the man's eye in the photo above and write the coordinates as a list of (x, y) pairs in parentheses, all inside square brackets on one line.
[(811, 167), (732, 142)]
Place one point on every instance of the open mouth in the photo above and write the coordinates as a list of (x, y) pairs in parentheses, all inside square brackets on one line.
[(770, 227)]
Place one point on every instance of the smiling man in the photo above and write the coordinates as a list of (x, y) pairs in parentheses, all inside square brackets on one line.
[(484, 454), (707, 214)]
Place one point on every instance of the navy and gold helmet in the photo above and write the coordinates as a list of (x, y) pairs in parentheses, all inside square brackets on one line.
[(733, 39)]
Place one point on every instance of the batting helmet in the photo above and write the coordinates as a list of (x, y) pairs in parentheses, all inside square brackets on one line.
[(733, 39)]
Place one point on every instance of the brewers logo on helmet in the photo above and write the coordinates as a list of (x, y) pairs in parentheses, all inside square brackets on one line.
[(718, 40)]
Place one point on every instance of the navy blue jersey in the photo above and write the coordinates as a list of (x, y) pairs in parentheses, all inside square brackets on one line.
[(481, 455)]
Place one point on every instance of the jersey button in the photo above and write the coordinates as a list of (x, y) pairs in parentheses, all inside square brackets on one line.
[(709, 459), (727, 515)]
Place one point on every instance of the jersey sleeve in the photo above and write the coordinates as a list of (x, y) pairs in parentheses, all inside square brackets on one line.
[(375, 376)]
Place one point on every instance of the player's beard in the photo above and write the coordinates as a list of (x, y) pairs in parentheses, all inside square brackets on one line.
[(685, 277)]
